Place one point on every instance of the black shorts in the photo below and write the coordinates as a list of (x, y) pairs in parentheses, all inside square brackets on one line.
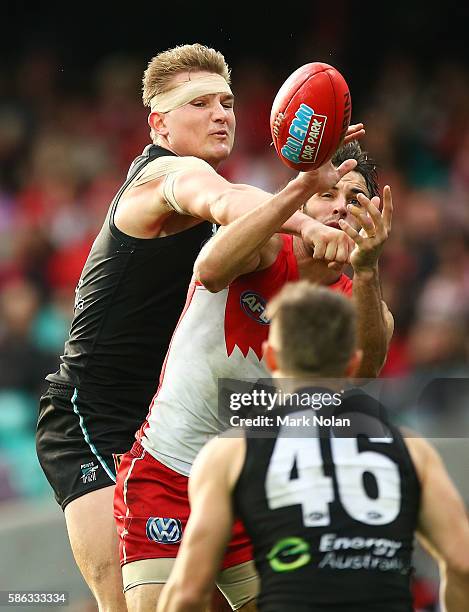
[(79, 440)]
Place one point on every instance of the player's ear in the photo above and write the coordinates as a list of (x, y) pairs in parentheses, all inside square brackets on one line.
[(158, 124), (354, 363), (269, 356)]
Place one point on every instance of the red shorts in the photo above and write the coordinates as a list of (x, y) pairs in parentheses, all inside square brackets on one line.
[(151, 508)]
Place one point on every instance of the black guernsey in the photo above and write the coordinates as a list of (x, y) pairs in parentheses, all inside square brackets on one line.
[(128, 301), (332, 519)]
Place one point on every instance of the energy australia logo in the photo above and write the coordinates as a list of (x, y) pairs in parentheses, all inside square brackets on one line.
[(164, 530), (289, 554)]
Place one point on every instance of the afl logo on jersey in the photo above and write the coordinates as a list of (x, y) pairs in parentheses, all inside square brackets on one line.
[(254, 306), (164, 530)]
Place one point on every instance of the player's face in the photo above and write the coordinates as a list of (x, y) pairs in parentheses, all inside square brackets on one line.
[(330, 206), (204, 127)]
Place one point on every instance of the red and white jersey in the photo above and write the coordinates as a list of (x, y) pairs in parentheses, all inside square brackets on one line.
[(219, 335)]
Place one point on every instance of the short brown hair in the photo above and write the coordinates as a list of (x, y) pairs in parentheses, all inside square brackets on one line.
[(366, 166), (316, 329), (164, 66)]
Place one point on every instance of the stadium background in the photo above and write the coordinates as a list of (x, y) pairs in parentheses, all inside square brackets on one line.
[(71, 120)]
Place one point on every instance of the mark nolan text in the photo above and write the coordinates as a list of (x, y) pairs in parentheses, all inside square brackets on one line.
[(314, 420), (289, 421)]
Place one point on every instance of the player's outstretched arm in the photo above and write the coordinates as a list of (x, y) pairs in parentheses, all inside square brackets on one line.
[(192, 580), (374, 321), (443, 527), (207, 195), (237, 250)]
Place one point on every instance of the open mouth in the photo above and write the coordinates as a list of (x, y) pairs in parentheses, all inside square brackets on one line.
[(334, 224)]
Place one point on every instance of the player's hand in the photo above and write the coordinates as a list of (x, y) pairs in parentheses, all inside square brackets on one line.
[(325, 177), (354, 132), (330, 244), (375, 228)]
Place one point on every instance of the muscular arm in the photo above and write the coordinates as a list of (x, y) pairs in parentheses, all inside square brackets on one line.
[(208, 530), (443, 527), (237, 250), (211, 197), (222, 202), (374, 321), (373, 330), (200, 193)]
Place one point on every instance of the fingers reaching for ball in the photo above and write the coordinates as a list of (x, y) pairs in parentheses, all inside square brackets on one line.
[(375, 227), (354, 132)]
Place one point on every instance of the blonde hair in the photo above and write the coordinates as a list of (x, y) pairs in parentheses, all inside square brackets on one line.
[(316, 329), (164, 66)]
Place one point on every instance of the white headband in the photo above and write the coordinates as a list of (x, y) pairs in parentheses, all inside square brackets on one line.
[(189, 90)]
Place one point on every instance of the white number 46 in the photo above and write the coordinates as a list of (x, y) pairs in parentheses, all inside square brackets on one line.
[(314, 491)]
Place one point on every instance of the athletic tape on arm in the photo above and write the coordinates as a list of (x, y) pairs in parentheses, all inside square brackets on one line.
[(170, 167)]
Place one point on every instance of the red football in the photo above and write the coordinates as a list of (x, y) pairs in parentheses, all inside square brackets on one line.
[(310, 116)]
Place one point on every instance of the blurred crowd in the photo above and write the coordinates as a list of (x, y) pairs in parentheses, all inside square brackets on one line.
[(65, 149)]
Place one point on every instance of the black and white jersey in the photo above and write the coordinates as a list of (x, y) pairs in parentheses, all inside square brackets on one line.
[(128, 301), (332, 518)]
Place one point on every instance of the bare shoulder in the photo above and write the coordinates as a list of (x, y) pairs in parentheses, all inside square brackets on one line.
[(221, 449), (162, 166), (222, 457), (144, 205), (422, 453), (221, 445)]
